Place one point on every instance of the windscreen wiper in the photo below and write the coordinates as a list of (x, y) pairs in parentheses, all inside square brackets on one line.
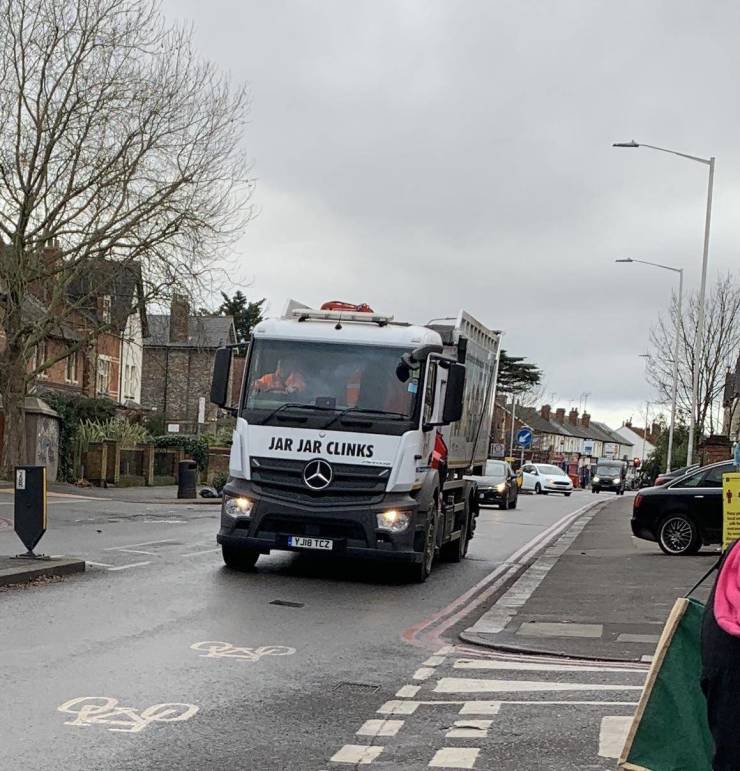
[(363, 411), (295, 405)]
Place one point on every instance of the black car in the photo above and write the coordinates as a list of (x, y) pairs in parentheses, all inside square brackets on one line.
[(684, 514), (498, 485), (610, 477), (669, 476)]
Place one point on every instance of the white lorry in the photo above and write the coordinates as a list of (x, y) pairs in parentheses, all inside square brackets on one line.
[(353, 433)]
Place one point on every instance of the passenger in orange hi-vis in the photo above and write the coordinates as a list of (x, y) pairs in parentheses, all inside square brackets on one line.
[(287, 378), (352, 389)]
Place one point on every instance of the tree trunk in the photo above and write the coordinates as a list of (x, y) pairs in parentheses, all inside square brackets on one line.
[(13, 380)]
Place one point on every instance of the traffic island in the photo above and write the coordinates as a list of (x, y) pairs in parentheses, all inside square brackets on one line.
[(597, 593), (20, 570)]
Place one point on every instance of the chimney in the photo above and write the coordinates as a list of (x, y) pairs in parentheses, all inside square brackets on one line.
[(573, 417), (560, 415), (628, 423), (179, 313), (545, 411), (585, 420)]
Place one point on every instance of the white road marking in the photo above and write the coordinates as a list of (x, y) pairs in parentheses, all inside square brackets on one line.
[(380, 728), (434, 661), (408, 691), (445, 651), (215, 650), (357, 754), (613, 735), (469, 729), (136, 545), (455, 757), (198, 553), (647, 659), (98, 564), (137, 551), (480, 708), (526, 666), (104, 710), (424, 673), (468, 685), (131, 565)]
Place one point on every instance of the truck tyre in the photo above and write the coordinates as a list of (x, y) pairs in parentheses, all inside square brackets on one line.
[(513, 503), (455, 551), (239, 558), (419, 572)]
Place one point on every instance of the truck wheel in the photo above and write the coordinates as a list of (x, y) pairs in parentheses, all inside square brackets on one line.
[(239, 558), (513, 503), (420, 572), (455, 551)]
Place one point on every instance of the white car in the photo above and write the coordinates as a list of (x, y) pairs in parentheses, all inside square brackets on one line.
[(545, 478)]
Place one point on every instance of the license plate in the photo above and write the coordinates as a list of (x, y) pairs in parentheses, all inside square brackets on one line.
[(302, 542)]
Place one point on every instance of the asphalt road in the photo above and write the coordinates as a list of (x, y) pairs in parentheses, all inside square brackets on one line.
[(159, 657)]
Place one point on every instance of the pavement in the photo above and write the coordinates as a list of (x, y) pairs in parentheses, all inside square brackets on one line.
[(18, 569), (597, 593)]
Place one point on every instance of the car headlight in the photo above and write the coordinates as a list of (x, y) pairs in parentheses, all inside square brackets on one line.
[(500, 487), (596, 479), (617, 480), (238, 507), (394, 520)]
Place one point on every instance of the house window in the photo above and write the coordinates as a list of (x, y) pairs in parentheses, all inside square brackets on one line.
[(70, 374), (103, 378), (128, 381), (39, 358), (106, 309)]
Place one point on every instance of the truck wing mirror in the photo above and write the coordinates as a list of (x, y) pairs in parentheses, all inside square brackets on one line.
[(453, 406), (220, 380)]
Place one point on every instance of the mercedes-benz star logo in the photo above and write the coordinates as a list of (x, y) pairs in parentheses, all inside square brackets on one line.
[(317, 474)]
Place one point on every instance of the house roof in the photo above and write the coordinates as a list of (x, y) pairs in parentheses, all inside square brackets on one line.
[(203, 332), (613, 435), (37, 312)]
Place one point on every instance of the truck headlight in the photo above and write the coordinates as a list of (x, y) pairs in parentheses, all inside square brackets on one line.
[(238, 507), (596, 479), (394, 520), (617, 480), (500, 487)]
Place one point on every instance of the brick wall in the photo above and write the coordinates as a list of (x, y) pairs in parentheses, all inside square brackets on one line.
[(173, 379)]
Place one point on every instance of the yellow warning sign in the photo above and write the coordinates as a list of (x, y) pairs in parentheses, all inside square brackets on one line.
[(730, 508)]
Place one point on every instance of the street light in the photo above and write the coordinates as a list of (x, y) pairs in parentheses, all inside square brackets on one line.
[(698, 342), (676, 342)]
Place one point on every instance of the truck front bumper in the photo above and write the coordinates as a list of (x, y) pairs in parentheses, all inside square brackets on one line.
[(351, 527)]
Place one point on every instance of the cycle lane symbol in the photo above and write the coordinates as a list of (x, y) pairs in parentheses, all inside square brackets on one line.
[(105, 711), (216, 650)]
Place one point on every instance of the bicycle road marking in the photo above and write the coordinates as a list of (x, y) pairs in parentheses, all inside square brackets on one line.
[(104, 710), (218, 650)]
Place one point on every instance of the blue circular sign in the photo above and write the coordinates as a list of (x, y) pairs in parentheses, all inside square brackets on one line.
[(524, 437)]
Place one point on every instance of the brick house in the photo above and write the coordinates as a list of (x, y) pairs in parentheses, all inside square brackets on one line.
[(178, 364)]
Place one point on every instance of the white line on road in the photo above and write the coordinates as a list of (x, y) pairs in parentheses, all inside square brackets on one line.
[(198, 553), (525, 666), (613, 735), (356, 754), (424, 673), (380, 727), (408, 691), (469, 729), (131, 565), (481, 707), (434, 661), (136, 545), (98, 564), (455, 757), (469, 685)]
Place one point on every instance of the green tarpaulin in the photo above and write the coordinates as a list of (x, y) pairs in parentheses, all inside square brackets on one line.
[(670, 730)]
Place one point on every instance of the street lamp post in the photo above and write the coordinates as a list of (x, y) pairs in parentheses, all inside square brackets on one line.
[(698, 342), (676, 345)]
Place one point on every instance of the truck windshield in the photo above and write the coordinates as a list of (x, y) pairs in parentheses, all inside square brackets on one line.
[(308, 383)]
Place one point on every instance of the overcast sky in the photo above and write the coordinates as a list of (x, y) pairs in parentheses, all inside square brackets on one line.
[(426, 156)]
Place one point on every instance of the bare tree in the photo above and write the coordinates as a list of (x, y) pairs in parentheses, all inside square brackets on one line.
[(118, 144), (721, 346)]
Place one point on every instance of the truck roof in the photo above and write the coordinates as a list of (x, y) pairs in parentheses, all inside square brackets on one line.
[(363, 332)]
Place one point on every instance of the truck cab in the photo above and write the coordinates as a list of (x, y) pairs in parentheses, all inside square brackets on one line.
[(342, 440)]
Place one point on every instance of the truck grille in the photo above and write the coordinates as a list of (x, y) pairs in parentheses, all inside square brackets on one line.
[(283, 478)]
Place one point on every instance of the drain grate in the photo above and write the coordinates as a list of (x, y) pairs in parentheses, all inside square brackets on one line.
[(355, 688), (287, 603)]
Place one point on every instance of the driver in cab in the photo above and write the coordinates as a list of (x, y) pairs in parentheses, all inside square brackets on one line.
[(287, 378)]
